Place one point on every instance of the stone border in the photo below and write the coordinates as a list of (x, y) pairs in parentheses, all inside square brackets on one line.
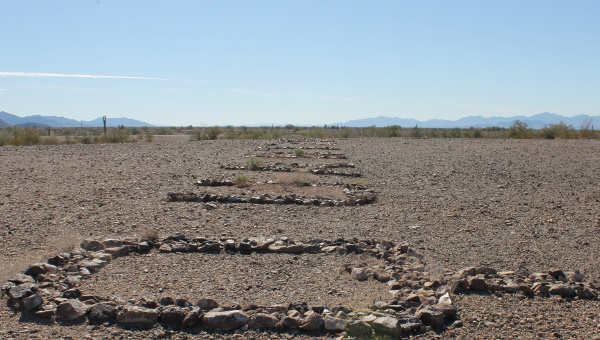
[(49, 290), (419, 301), (355, 195)]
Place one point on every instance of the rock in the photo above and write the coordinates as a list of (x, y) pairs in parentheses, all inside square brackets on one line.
[(387, 325), (137, 315), (21, 291), (486, 271), (540, 289), (576, 276), (359, 274), (173, 315), (557, 274), (562, 290), (431, 317), (313, 322), (102, 312), (477, 284), (165, 301), (71, 310), (526, 290), (334, 324), (36, 269), (414, 298), (192, 318), (165, 248), (32, 302), (225, 320), (586, 293), (207, 304), (21, 278), (262, 321), (291, 322), (359, 328), (45, 313), (91, 245), (445, 308)]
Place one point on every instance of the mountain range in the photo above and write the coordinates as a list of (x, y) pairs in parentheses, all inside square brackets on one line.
[(7, 119), (537, 121)]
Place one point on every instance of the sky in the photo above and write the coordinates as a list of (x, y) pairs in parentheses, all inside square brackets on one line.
[(298, 62)]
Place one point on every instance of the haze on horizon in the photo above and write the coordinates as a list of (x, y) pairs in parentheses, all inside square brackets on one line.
[(305, 62)]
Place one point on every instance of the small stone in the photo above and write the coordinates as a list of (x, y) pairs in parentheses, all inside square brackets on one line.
[(431, 317), (137, 315), (359, 274), (32, 302), (387, 325), (225, 320), (262, 321), (334, 324), (359, 328), (313, 322), (207, 304), (71, 310), (102, 312)]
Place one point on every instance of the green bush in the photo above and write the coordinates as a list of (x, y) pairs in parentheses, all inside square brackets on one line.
[(254, 163), (213, 132), (519, 130), (299, 152), (241, 179)]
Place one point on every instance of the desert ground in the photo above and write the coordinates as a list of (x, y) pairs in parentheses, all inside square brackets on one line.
[(506, 204)]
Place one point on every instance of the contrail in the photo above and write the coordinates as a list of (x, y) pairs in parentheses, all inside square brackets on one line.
[(30, 74)]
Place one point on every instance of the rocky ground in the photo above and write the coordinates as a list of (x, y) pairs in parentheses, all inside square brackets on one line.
[(507, 204)]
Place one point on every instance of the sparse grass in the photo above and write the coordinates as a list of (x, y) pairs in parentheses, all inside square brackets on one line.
[(299, 152), (242, 179), (254, 163), (300, 179)]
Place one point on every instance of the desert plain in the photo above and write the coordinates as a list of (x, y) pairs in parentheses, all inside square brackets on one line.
[(512, 205)]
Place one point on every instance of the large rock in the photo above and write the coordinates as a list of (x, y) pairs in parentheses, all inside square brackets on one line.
[(32, 302), (22, 290), (263, 321), (172, 314), (334, 324), (387, 325), (359, 328), (207, 304), (137, 315), (192, 318), (225, 320), (431, 317), (36, 269), (313, 322), (563, 290), (102, 312), (93, 265), (477, 284), (359, 274), (91, 245), (71, 310), (21, 278)]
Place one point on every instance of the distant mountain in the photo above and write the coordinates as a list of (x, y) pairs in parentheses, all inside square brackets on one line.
[(3, 124), (54, 121), (537, 121)]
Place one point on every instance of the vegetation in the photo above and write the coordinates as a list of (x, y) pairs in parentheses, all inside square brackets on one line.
[(254, 163), (299, 152), (17, 136), (241, 179)]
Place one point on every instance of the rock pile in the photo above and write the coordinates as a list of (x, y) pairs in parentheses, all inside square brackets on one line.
[(355, 195)]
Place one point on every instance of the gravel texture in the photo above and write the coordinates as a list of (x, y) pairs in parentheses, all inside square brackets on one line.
[(510, 204)]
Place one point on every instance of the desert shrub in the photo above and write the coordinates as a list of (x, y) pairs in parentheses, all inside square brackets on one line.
[(299, 152), (253, 163), (391, 131), (315, 132), (27, 136), (416, 132), (5, 137), (455, 133), (346, 132), (300, 179), (148, 137), (370, 131), (213, 132), (229, 132), (477, 133), (519, 130), (276, 134), (586, 130), (196, 134), (86, 139), (560, 130), (241, 179), (163, 131)]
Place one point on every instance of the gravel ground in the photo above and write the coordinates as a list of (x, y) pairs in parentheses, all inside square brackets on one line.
[(505, 203)]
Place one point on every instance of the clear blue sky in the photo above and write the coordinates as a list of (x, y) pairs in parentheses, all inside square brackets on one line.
[(299, 62)]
